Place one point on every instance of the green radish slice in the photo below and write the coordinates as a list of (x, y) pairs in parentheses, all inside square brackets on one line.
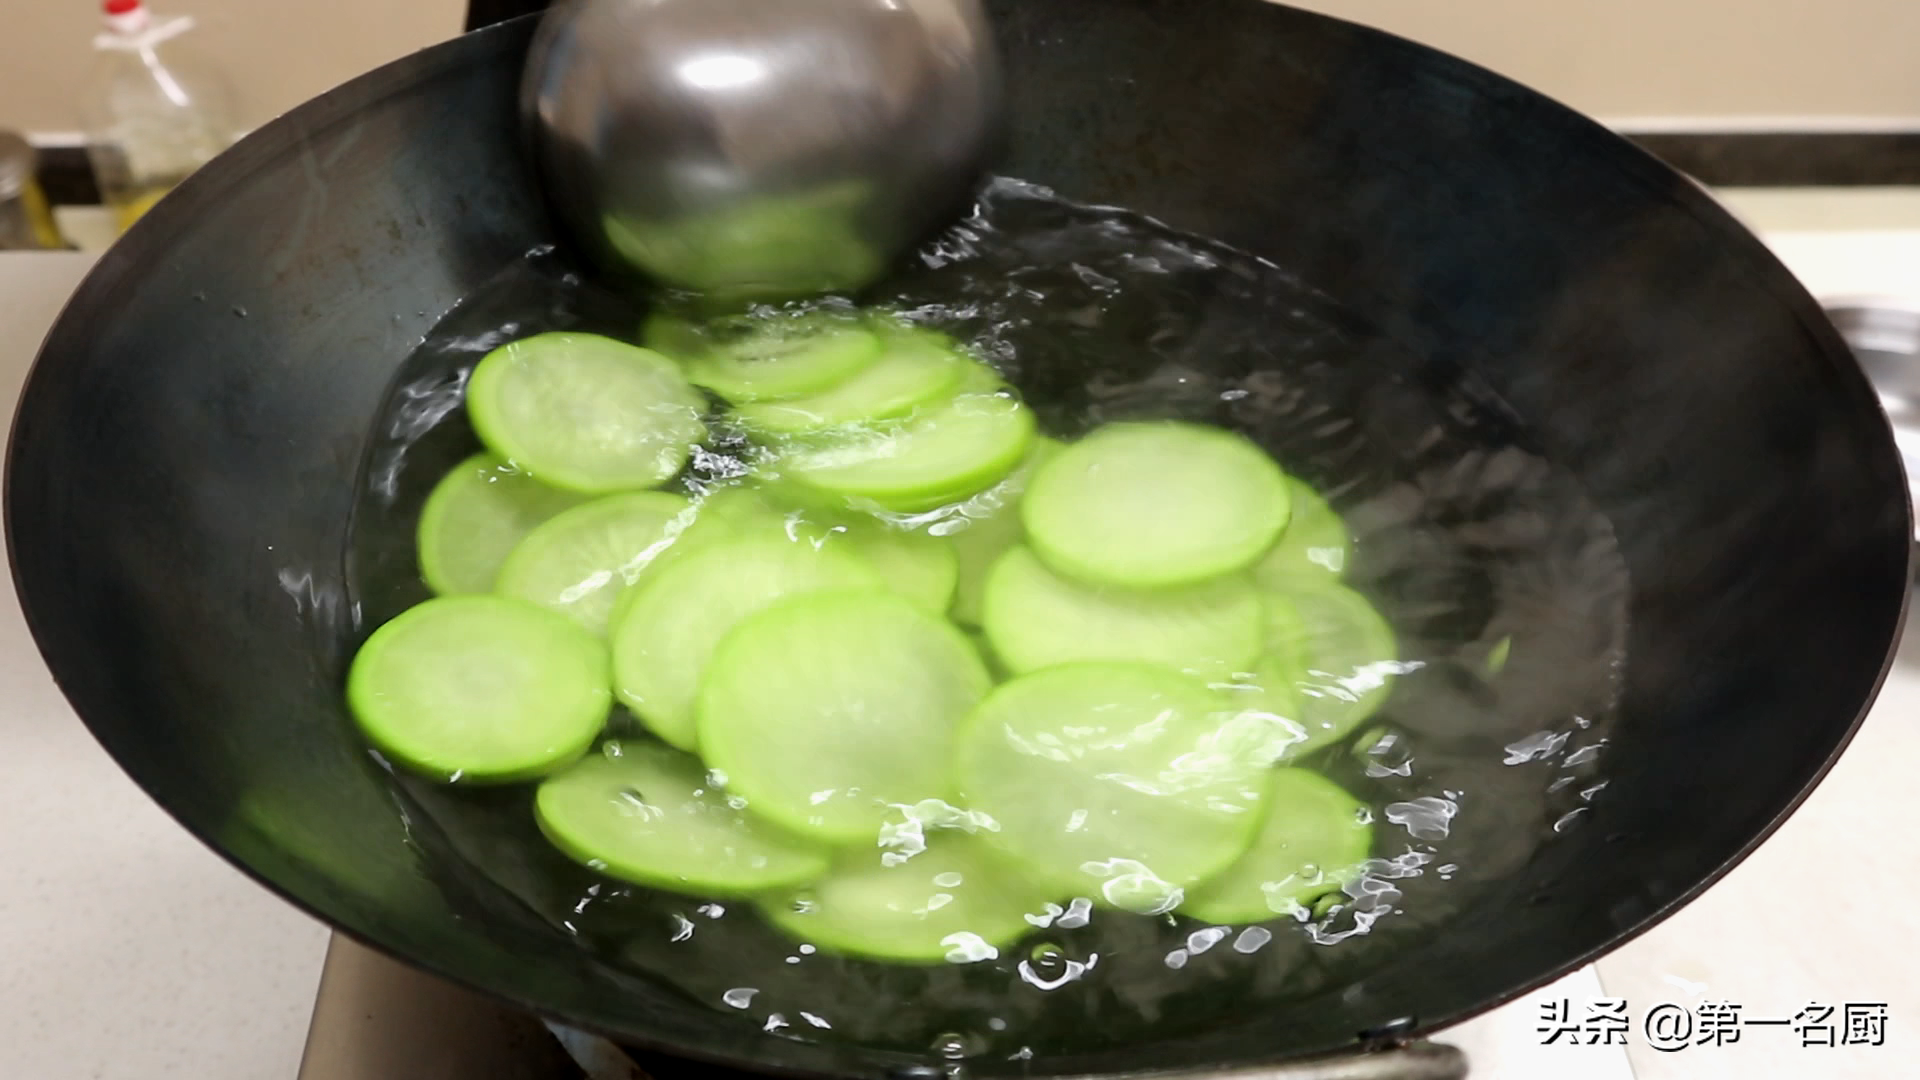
[(953, 902), (1111, 780), (1037, 619), (578, 562), (480, 689), (716, 517), (829, 708), (475, 517), (940, 455), (1153, 504), (915, 367), (984, 527), (763, 250), (667, 634), (917, 566), (1314, 840), (672, 336), (586, 413), (1348, 659), (652, 816), (1267, 700), (976, 548), (768, 359), (1315, 546)]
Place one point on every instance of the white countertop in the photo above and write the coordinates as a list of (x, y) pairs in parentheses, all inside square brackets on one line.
[(128, 951), (131, 951)]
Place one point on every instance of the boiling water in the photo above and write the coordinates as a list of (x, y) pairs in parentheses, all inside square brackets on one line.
[(1503, 584)]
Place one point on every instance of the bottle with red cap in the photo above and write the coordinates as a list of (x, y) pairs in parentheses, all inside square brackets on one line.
[(156, 110)]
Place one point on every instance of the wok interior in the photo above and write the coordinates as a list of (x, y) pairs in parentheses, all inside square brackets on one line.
[(183, 465)]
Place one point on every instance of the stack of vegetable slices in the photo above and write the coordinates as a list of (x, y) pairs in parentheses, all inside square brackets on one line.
[(917, 674)]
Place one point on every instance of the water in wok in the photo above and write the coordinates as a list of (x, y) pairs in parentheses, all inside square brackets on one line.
[(1584, 411)]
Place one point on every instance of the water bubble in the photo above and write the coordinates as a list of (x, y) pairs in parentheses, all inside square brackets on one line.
[(1047, 958), (1201, 940), (965, 947), (1536, 747), (1045, 917), (1048, 967), (1252, 939), (1078, 914), (740, 996), (240, 311), (954, 1045), (1425, 818), (1585, 754)]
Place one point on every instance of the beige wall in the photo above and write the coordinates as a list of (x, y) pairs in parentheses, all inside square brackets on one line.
[(1617, 59), (278, 53)]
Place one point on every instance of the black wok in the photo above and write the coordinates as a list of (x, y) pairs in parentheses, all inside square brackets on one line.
[(183, 465)]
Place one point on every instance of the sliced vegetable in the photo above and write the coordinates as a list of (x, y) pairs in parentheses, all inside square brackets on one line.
[(982, 528), (673, 336), (579, 561), (763, 250), (1037, 619), (1349, 659), (914, 368), (917, 566), (475, 516), (1314, 839), (667, 634), (1110, 779), (1152, 504), (1273, 721), (939, 455), (952, 901), (480, 689), (652, 816), (771, 358), (1315, 546), (828, 708), (586, 413)]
